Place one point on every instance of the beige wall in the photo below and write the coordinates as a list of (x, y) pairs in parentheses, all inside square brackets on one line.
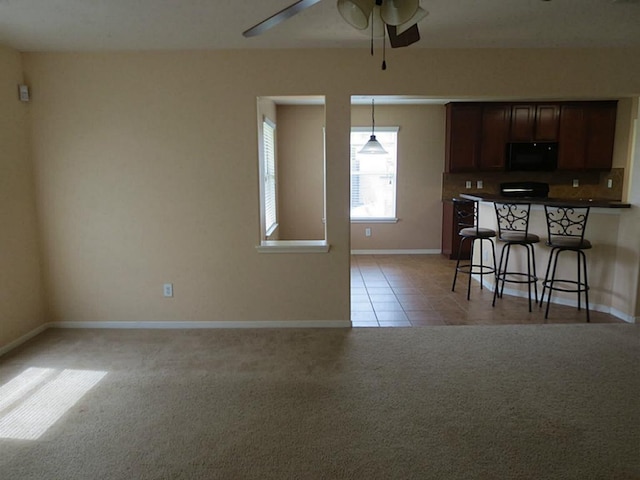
[(420, 164), (301, 172), (146, 171), (21, 301)]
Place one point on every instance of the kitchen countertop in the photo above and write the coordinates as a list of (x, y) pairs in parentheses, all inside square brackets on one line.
[(586, 202)]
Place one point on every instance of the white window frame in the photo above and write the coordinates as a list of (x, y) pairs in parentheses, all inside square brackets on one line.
[(268, 178), (392, 156)]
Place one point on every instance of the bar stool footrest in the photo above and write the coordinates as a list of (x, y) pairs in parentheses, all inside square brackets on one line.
[(526, 278), (476, 269), (580, 286)]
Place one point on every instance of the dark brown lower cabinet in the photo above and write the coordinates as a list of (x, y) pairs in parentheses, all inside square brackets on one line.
[(450, 237)]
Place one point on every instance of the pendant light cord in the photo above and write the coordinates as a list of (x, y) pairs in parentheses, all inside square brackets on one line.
[(373, 118)]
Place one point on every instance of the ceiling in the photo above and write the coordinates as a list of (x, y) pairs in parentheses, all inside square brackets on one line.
[(89, 25)]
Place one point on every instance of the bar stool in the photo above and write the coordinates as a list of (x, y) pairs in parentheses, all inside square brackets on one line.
[(565, 228), (466, 216), (513, 229)]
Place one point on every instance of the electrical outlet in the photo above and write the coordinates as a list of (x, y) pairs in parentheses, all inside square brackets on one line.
[(168, 289), (609, 183), (576, 182), (367, 232), (479, 184), (467, 184)]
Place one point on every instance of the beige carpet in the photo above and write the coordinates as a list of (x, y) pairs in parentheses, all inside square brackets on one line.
[(488, 402)]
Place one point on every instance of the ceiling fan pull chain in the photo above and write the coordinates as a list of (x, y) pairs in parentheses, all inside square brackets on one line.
[(384, 50), (372, 35)]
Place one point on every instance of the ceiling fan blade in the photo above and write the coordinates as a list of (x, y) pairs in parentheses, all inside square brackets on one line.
[(279, 17), (404, 39)]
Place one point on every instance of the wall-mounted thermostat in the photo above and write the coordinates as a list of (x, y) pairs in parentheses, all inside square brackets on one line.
[(23, 93)]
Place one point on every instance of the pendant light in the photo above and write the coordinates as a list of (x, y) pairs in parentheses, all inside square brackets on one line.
[(373, 147)]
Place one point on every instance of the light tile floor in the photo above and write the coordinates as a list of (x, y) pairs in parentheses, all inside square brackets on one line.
[(415, 290)]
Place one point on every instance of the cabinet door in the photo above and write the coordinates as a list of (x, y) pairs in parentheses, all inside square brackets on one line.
[(522, 123), (601, 126), (463, 137), (547, 123), (496, 120), (572, 141)]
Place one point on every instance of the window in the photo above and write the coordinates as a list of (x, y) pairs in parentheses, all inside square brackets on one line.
[(269, 172), (373, 177), (291, 174)]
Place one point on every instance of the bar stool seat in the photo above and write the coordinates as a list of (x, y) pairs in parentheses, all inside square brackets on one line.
[(566, 226), (519, 237), (466, 216), (513, 230), (479, 232)]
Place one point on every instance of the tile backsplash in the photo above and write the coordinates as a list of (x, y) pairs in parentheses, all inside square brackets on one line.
[(591, 184)]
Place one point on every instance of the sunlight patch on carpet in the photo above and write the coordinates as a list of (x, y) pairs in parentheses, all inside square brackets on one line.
[(37, 398)]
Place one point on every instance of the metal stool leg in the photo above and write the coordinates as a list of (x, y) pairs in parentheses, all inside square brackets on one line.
[(473, 241), (586, 283), (553, 276), (498, 270), (455, 276)]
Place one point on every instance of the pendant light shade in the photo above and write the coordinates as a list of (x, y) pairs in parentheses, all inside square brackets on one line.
[(373, 147), (397, 12), (356, 12)]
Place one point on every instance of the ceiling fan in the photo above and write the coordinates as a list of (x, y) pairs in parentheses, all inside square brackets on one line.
[(378, 18)]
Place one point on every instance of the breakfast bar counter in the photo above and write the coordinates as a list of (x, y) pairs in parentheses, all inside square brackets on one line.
[(613, 262), (582, 202)]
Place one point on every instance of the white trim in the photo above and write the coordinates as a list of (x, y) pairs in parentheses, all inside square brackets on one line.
[(393, 129), (594, 307), (177, 326), (206, 325), (432, 251), (374, 220), (293, 246), (28, 336)]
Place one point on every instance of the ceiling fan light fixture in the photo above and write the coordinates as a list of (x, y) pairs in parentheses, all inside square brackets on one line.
[(356, 12), (419, 15), (397, 12)]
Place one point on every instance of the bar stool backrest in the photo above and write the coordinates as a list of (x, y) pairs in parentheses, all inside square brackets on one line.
[(513, 219), (566, 223), (465, 213)]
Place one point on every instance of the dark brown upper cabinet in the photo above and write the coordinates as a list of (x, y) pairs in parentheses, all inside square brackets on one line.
[(463, 134), (534, 123), (496, 120), (587, 131), (477, 133)]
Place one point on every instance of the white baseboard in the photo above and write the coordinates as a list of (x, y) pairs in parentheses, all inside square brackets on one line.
[(207, 325), (398, 252), (177, 326), (28, 336), (595, 307)]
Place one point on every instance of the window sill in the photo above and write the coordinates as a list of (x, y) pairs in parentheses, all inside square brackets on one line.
[(293, 246), (374, 220)]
